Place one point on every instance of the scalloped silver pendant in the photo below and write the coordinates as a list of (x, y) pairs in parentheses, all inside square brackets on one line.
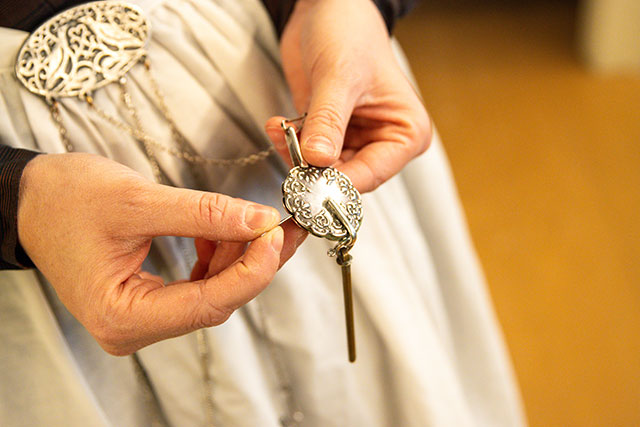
[(307, 194)]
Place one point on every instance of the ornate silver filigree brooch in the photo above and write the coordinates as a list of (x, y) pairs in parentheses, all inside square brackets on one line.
[(82, 49)]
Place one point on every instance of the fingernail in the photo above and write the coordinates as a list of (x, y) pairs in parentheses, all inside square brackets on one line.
[(320, 145), (277, 238), (258, 217)]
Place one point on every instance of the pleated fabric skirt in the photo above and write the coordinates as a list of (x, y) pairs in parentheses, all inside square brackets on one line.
[(429, 349)]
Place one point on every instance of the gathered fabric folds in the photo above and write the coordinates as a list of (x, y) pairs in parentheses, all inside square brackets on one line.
[(429, 349)]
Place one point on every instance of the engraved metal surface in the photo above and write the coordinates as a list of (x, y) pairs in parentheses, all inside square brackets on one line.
[(82, 49), (305, 192)]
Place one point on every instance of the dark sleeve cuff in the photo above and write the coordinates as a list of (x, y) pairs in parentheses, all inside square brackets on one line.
[(12, 163), (280, 10), (391, 10)]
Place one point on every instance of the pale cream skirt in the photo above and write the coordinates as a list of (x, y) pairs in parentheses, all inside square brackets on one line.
[(430, 352)]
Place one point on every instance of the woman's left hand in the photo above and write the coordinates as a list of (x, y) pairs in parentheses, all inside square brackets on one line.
[(363, 114)]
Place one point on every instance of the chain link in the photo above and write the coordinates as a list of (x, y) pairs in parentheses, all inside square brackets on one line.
[(54, 108)]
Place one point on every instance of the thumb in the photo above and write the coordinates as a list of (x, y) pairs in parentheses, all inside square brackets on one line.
[(148, 312), (170, 211), (330, 109)]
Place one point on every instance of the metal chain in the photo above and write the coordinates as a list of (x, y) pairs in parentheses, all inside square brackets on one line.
[(207, 393), (54, 108), (191, 158), (294, 415), (177, 135), (148, 393), (137, 133), (148, 148), (202, 340)]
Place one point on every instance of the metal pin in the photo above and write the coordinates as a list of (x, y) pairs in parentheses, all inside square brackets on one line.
[(282, 221), (285, 219)]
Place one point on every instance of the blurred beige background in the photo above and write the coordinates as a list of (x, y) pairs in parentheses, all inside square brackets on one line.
[(546, 154)]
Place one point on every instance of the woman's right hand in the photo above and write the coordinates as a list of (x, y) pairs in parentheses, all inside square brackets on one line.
[(87, 223)]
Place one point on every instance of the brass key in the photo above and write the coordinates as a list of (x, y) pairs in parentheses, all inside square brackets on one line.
[(324, 202), (344, 261)]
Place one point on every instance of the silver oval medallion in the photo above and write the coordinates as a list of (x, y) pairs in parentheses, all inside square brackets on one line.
[(82, 49), (305, 193)]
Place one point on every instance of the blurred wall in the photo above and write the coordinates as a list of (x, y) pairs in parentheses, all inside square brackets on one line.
[(546, 155), (610, 34)]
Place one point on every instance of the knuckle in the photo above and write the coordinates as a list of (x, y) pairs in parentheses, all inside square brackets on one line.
[(243, 271), (324, 62), (377, 181), (376, 178), (211, 207), (211, 315), (328, 117), (419, 132), (207, 312), (112, 326), (116, 350), (111, 341), (423, 131)]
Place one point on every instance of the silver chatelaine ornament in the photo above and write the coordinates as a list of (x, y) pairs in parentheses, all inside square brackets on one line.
[(324, 202)]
